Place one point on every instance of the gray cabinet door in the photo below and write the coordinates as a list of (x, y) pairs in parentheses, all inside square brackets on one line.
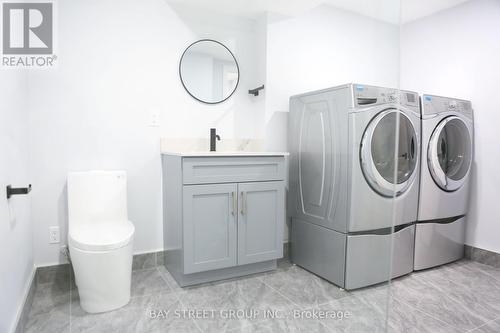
[(261, 219), (210, 230)]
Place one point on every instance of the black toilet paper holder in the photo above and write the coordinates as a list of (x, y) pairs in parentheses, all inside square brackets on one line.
[(17, 190)]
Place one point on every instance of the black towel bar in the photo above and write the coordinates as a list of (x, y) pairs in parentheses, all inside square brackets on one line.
[(255, 91)]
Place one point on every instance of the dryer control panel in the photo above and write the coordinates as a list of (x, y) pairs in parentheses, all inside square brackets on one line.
[(436, 104), (370, 95)]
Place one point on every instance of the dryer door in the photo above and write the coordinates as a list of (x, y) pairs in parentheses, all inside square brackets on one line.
[(377, 153), (450, 153)]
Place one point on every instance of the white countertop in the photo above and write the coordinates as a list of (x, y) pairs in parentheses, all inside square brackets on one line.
[(223, 153)]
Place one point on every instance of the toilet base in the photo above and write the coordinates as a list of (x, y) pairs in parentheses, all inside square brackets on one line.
[(103, 277)]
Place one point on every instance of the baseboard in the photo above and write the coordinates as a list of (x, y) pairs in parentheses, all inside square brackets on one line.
[(51, 273), (147, 260), (482, 256), (140, 260), (286, 250), (23, 310)]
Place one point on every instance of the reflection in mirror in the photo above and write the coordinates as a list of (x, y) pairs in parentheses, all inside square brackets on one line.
[(209, 71)]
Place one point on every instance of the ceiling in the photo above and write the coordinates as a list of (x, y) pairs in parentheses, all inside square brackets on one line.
[(412, 10), (386, 10)]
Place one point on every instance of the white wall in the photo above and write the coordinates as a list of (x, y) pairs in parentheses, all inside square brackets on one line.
[(117, 64), (327, 47), (455, 53), (16, 249), (93, 110), (323, 48)]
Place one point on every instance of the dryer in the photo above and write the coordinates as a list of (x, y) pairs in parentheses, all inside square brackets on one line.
[(344, 199), (447, 152)]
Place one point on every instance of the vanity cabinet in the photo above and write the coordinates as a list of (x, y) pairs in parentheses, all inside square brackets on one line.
[(223, 215)]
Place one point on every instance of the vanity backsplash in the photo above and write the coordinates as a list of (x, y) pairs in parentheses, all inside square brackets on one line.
[(202, 144)]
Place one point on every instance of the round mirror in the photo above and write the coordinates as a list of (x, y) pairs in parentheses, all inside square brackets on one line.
[(209, 71)]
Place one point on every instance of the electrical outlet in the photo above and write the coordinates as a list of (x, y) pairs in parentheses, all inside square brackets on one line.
[(154, 120), (54, 235)]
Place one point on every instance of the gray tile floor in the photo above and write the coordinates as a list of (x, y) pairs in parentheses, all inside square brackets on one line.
[(460, 297)]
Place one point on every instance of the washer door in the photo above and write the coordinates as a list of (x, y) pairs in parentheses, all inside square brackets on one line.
[(450, 153), (378, 148)]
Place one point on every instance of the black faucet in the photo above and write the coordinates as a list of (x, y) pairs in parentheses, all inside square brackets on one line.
[(213, 138)]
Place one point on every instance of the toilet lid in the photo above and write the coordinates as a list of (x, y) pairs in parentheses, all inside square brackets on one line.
[(101, 236)]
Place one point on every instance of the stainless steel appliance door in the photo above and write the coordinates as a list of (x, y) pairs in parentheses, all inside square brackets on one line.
[(450, 153), (381, 153)]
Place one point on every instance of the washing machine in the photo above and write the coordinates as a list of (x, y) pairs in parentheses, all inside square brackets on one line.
[(447, 152), (353, 187)]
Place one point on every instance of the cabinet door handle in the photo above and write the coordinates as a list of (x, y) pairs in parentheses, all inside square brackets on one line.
[(243, 203), (234, 208)]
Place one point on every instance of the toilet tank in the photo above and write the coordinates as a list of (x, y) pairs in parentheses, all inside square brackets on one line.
[(97, 196)]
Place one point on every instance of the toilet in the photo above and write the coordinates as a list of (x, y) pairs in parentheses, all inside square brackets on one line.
[(100, 238)]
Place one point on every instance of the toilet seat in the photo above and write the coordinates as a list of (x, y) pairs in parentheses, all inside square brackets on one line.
[(102, 236)]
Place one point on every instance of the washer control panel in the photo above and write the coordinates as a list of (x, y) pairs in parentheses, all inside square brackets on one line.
[(437, 104), (370, 95)]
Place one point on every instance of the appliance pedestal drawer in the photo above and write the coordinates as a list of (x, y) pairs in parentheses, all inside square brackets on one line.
[(439, 243), (368, 257)]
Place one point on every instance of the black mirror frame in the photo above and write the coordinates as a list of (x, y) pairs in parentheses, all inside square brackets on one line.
[(235, 61)]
